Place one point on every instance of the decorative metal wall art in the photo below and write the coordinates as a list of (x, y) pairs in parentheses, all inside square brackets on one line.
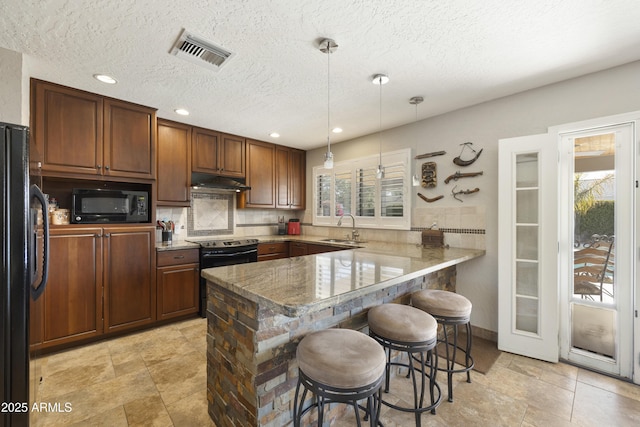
[(455, 193), (456, 176), (458, 160)]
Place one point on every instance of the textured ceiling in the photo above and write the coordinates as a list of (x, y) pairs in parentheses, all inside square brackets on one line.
[(455, 53)]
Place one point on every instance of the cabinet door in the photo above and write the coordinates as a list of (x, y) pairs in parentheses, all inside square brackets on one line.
[(283, 168), (232, 151), (129, 140), (178, 290), (66, 129), (297, 179), (174, 171), (297, 249), (290, 178), (71, 305), (204, 151), (129, 277), (260, 175)]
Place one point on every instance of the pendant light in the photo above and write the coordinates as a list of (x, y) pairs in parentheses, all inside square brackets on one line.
[(415, 101), (328, 46), (380, 79)]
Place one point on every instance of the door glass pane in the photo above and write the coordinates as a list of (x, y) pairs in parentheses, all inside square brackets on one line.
[(527, 281), (593, 315), (527, 278), (527, 206), (527, 242), (527, 314)]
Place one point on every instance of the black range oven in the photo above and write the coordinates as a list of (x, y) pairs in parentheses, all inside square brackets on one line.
[(218, 253)]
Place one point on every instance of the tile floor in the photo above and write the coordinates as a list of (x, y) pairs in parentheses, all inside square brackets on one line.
[(158, 378)]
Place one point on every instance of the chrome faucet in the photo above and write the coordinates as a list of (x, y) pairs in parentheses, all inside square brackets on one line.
[(354, 233)]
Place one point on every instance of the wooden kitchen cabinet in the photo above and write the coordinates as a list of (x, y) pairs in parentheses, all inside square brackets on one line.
[(129, 140), (217, 153), (77, 133), (129, 277), (290, 172), (174, 163), (317, 248), (275, 250), (177, 283), (297, 249), (70, 308), (260, 176)]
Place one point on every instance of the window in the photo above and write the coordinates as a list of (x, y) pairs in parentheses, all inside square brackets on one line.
[(351, 187)]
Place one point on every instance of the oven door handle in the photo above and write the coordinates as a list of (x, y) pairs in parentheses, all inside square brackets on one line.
[(228, 255)]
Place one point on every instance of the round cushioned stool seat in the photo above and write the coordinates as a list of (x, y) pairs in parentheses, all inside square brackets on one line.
[(442, 303), (341, 358), (402, 323)]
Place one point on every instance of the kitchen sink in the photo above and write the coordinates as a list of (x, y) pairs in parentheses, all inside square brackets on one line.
[(344, 241)]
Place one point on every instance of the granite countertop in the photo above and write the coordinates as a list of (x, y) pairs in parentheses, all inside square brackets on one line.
[(178, 244), (293, 286)]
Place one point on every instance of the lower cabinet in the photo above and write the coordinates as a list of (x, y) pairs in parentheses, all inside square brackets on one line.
[(101, 280), (297, 249), (276, 250), (129, 277), (70, 309), (177, 279)]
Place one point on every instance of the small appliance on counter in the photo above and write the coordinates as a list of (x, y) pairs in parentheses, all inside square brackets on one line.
[(282, 227), (293, 226)]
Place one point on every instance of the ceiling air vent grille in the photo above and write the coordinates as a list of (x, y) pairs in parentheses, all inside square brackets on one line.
[(200, 51)]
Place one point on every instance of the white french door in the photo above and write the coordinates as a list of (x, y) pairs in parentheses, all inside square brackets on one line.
[(542, 312), (528, 247), (597, 217)]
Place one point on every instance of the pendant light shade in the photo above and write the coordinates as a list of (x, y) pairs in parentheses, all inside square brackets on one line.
[(380, 79), (415, 101), (328, 46)]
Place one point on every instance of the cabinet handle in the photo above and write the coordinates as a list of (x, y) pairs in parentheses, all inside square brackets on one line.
[(99, 166), (106, 167), (98, 235), (178, 257), (107, 234)]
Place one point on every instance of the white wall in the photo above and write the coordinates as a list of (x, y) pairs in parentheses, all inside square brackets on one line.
[(604, 93), (11, 88)]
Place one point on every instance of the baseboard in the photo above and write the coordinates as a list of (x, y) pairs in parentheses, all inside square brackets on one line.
[(486, 334)]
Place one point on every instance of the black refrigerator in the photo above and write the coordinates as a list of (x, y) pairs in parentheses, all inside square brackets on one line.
[(25, 240)]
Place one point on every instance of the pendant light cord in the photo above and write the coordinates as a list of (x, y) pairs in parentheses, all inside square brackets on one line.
[(380, 126), (328, 95)]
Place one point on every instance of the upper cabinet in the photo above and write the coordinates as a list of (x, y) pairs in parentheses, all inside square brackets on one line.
[(276, 175), (79, 133), (217, 153), (174, 161), (290, 178), (261, 161)]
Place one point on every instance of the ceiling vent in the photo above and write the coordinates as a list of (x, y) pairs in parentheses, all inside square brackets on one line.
[(200, 51)]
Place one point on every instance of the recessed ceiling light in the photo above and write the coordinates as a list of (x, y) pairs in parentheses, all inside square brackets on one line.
[(105, 79), (274, 135), (336, 130), (181, 111)]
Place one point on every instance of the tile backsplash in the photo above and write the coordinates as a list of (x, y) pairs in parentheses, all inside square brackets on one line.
[(464, 227)]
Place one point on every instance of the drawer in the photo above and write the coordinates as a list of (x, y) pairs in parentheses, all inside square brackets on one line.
[(178, 256), (273, 248)]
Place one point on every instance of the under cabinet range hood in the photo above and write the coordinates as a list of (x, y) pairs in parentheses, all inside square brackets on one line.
[(223, 183)]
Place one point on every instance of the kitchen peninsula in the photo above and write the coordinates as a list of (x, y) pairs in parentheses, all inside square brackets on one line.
[(257, 313)]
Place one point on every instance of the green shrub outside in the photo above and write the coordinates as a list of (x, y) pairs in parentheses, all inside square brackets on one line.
[(598, 219)]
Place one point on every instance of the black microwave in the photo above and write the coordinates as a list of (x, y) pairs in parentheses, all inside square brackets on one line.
[(93, 206)]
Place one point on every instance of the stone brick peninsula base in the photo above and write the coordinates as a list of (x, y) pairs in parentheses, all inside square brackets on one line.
[(251, 366)]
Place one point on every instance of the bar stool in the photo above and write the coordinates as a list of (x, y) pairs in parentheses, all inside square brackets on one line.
[(408, 330), (449, 309), (339, 365)]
